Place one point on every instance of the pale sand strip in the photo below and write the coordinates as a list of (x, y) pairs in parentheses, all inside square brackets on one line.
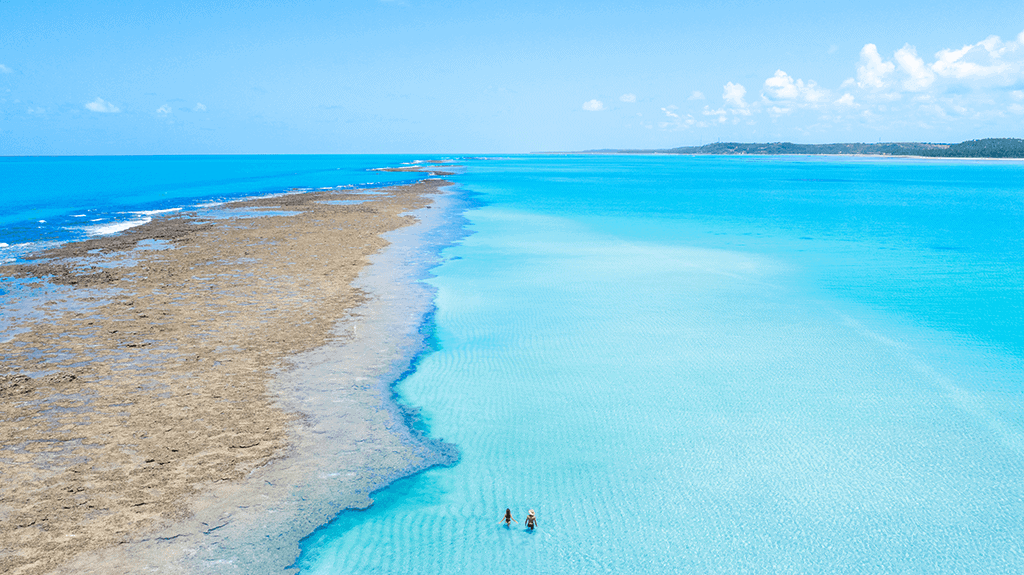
[(205, 407)]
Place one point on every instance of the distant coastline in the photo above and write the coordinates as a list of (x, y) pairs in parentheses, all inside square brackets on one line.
[(984, 148)]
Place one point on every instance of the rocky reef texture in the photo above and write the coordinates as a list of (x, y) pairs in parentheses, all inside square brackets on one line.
[(198, 393)]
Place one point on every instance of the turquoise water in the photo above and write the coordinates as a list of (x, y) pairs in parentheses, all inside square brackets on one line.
[(718, 365), (707, 365)]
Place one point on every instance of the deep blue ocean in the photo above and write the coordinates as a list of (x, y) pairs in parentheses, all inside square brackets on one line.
[(64, 198), (688, 364)]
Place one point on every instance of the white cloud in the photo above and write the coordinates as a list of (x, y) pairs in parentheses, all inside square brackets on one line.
[(966, 82), (101, 105), (720, 116), (975, 67), (782, 87), (845, 100), (980, 60), (696, 95), (5, 69), (199, 108), (593, 105), (872, 71), (628, 98), (675, 121), (733, 94), (164, 110), (977, 86), (812, 93), (919, 76)]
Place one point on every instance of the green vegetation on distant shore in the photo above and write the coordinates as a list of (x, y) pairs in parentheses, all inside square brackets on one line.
[(986, 148)]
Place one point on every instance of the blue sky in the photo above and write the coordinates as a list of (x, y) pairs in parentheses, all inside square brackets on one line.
[(417, 76)]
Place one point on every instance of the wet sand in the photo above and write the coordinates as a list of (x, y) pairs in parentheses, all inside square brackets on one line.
[(195, 395)]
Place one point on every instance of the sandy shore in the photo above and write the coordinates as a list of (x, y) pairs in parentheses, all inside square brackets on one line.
[(196, 394)]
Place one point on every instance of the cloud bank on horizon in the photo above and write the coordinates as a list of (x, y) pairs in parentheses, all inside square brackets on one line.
[(983, 80)]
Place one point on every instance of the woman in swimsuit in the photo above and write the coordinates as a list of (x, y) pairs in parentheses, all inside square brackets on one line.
[(508, 518), (531, 520)]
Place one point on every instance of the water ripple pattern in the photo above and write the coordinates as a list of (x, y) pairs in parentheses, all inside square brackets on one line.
[(702, 365)]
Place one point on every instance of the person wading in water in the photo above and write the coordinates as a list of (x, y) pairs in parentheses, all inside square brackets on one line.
[(508, 519), (531, 520)]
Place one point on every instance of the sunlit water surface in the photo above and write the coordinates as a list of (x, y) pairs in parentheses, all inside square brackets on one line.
[(718, 365)]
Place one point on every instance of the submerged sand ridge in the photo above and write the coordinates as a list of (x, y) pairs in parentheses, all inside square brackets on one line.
[(176, 408)]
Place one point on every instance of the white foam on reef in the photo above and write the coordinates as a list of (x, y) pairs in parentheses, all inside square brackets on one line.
[(115, 227), (10, 253), (215, 203), (155, 212)]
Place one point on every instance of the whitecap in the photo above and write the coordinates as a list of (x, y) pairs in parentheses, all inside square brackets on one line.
[(155, 212), (114, 227)]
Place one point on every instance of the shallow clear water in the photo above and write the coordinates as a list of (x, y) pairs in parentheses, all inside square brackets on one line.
[(718, 365)]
